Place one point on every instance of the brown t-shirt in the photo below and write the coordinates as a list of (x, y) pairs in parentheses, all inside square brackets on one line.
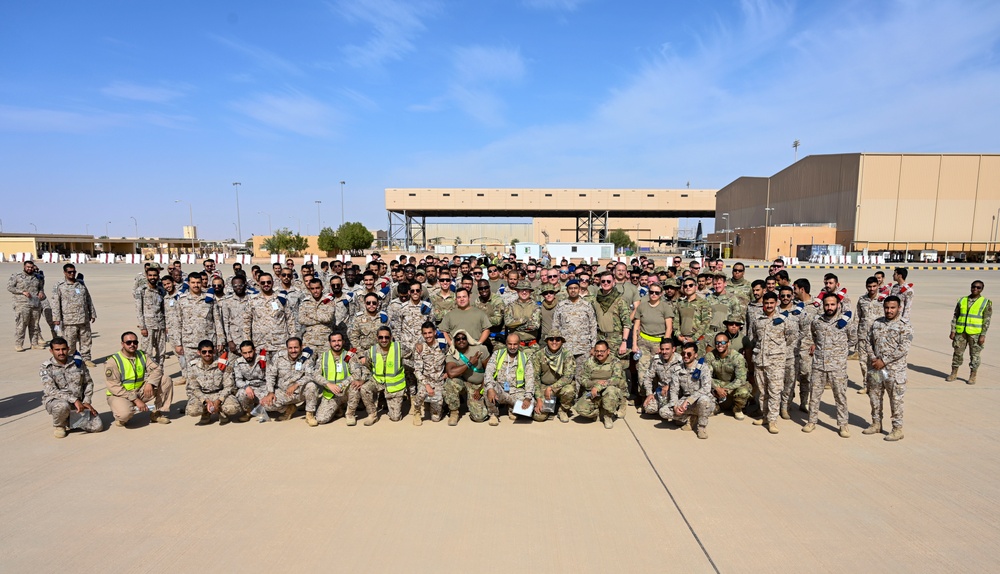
[(470, 375), (653, 320), (473, 320)]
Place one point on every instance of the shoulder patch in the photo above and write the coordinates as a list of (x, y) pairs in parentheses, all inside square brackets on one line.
[(107, 373)]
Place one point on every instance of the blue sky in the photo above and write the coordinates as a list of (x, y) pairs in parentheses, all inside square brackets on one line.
[(113, 110)]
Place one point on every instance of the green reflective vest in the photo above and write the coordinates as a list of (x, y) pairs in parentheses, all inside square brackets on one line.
[(970, 319), (502, 356), (331, 372), (132, 376), (388, 369)]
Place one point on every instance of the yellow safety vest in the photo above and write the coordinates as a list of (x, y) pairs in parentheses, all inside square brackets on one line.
[(970, 319), (502, 356), (331, 373), (388, 369), (132, 376)]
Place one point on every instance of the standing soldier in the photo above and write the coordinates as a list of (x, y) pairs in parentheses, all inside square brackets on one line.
[(443, 299), (890, 339), (341, 306), (739, 285), (271, 322), (509, 379), (769, 335), (73, 311), (555, 375), (791, 312), (723, 303), (428, 367), (869, 309), (829, 367), (575, 319), (729, 377), (196, 319), (235, 310), (491, 304), (692, 315), (969, 324), (67, 387), (465, 367), (316, 313), (613, 316), (149, 311), (210, 387), (691, 391), (602, 380), (249, 376), (27, 298), (653, 322), (803, 357), (365, 324), (286, 377), (904, 291), (132, 379), (523, 316)]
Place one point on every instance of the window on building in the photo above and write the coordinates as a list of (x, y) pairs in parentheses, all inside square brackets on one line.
[(573, 249), (548, 195), (513, 195), (446, 194), (480, 195), (684, 195), (412, 195)]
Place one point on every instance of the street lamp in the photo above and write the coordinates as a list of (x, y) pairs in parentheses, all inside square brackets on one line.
[(194, 234), (319, 225), (106, 232), (726, 217), (136, 222), (35, 226), (767, 235), (269, 232), (342, 202), (239, 223)]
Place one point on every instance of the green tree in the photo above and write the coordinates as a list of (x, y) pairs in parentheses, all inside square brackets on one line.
[(621, 239), (284, 241), (514, 242), (328, 240), (354, 237)]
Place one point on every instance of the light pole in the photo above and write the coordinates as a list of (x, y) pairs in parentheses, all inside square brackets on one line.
[(269, 232), (136, 223), (35, 226), (298, 219), (239, 224), (106, 232), (342, 202), (319, 225), (726, 217), (767, 234), (194, 234), (795, 146)]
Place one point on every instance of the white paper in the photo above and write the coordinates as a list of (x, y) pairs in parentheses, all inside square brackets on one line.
[(524, 412)]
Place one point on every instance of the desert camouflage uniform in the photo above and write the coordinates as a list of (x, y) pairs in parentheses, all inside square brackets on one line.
[(62, 386), (730, 373), (236, 318), (149, 310), (611, 324), (73, 308), (194, 319), (407, 333), (315, 318), (963, 340), (27, 310), (829, 365), (905, 300), (442, 304), (755, 309), (659, 371), (869, 310), (523, 319), (558, 372), (803, 360), (791, 341), (742, 289), (363, 331), (770, 336), (248, 375), (692, 319), (321, 398), (209, 383), (121, 400), (693, 385), (507, 294), (271, 322), (372, 387), (281, 374), (494, 308), (578, 323), (609, 398), (342, 317), (428, 367), (502, 378), (890, 341), (723, 306), (470, 383)]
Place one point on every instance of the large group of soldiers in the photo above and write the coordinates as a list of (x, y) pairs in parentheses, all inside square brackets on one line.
[(540, 339)]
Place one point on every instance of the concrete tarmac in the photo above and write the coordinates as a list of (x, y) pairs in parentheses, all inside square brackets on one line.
[(533, 497)]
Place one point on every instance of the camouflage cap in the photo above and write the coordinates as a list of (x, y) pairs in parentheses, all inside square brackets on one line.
[(554, 334), (733, 319)]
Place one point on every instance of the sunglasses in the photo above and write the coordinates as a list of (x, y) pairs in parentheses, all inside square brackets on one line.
[(206, 352), (414, 290), (267, 282), (721, 343), (655, 292), (336, 286), (285, 276), (131, 342), (484, 288), (689, 285), (461, 338), (607, 281), (371, 302), (383, 338)]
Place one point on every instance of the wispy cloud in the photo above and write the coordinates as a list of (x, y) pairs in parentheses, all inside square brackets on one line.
[(156, 94), (23, 119), (487, 64), (290, 111), (560, 5), (395, 23), (261, 57)]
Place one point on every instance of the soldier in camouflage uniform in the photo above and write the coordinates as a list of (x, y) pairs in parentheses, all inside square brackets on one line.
[(659, 371), (382, 371), (755, 308), (195, 319), (829, 367), (211, 389), (890, 339), (691, 392), (576, 320), (788, 309), (271, 321), (443, 299), (613, 318), (293, 292), (546, 308), (27, 296), (341, 302), (807, 313), (509, 379), (67, 387), (555, 375), (769, 333), (491, 304), (73, 310), (902, 290), (729, 377), (831, 284), (413, 313), (465, 367), (739, 286), (969, 324), (235, 310), (723, 303), (692, 315), (132, 379), (523, 316), (653, 321), (329, 392), (602, 380), (428, 367), (315, 316), (869, 310), (288, 372), (365, 324), (149, 312), (250, 378)]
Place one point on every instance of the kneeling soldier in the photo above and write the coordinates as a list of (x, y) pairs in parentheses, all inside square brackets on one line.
[(67, 387)]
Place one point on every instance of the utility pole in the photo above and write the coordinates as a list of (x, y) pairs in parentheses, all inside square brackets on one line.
[(239, 223)]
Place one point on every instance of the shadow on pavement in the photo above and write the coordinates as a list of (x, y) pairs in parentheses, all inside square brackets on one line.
[(927, 371), (20, 404)]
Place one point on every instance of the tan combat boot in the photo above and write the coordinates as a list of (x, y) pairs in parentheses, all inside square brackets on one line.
[(687, 424), (59, 432), (758, 422), (243, 418), (288, 413), (20, 349), (159, 417), (772, 427), (511, 415), (972, 377), (350, 419), (738, 414), (809, 427), (494, 420), (311, 419), (874, 428), (953, 375), (701, 433), (453, 418), (896, 434), (223, 418), (609, 419), (205, 419), (784, 413), (418, 417), (372, 419), (563, 416), (863, 390), (844, 432)]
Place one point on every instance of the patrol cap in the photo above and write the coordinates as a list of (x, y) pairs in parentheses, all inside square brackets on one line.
[(674, 283), (733, 320), (524, 287), (549, 290), (155, 265), (555, 334), (572, 282)]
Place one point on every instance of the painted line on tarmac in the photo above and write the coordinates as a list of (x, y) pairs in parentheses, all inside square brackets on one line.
[(672, 499)]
